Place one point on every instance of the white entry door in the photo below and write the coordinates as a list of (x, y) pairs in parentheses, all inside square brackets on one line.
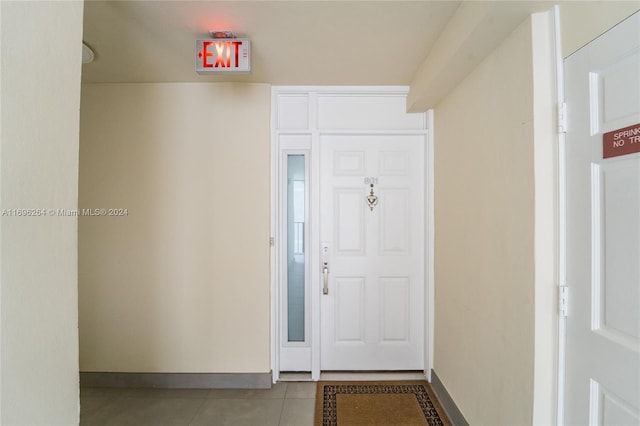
[(603, 230), (372, 315)]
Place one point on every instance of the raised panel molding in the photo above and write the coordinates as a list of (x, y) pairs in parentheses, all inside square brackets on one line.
[(294, 141), (394, 163), (335, 109), (368, 111), (394, 222), (395, 309), (607, 408), (349, 225), (348, 163), (349, 309), (616, 250), (293, 111), (615, 94)]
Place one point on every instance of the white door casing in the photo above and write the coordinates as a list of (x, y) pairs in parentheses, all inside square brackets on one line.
[(372, 316), (305, 119), (603, 233)]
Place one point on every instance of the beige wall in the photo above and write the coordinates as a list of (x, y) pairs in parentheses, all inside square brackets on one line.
[(496, 210), (582, 21), (180, 284), (484, 237), (39, 170)]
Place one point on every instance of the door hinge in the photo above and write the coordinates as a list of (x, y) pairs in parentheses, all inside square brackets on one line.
[(563, 301), (272, 241), (562, 117)]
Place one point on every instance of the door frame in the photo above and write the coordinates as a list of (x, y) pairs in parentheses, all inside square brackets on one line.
[(314, 252), (561, 219)]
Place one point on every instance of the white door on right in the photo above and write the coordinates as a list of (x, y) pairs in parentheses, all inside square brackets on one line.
[(603, 229)]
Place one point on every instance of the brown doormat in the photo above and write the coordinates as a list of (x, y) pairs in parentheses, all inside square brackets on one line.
[(378, 404)]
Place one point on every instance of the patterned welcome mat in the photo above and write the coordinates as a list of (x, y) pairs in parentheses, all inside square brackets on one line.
[(409, 403)]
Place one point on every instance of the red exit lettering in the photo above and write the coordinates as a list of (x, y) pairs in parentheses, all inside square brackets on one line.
[(220, 53)]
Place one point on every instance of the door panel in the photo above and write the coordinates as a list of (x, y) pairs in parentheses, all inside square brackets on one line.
[(603, 233), (349, 230), (616, 255), (372, 317), (349, 320), (609, 409), (395, 295), (395, 220)]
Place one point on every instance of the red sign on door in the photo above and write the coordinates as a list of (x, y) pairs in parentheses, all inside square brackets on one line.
[(621, 142)]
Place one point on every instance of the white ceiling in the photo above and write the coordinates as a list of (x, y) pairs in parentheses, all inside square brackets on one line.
[(430, 45), (293, 42)]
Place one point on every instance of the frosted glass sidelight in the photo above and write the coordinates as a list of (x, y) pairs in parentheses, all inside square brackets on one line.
[(295, 247)]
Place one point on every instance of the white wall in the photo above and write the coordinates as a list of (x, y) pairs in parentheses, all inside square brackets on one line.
[(180, 284), (484, 237), (41, 65)]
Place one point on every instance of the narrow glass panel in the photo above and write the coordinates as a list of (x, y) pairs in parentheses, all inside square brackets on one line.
[(295, 247)]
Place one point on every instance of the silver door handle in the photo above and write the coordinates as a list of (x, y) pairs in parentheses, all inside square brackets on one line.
[(325, 276)]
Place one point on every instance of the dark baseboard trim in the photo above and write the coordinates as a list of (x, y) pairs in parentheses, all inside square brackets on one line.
[(449, 405), (176, 380)]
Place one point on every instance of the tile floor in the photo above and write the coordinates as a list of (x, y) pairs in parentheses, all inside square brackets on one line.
[(289, 403)]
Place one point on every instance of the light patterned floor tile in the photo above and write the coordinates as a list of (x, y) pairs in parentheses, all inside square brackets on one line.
[(297, 412), (239, 412)]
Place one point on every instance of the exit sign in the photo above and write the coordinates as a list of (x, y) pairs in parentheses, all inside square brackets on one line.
[(223, 56)]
